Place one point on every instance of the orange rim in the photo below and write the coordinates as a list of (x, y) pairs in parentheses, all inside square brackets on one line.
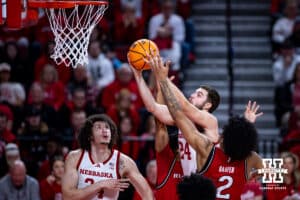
[(62, 4)]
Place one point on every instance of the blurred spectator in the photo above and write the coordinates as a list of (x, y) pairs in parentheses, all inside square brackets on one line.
[(78, 102), (151, 176), (42, 32), (283, 71), (123, 108), (144, 9), (12, 154), (3, 164), (129, 28), (36, 101), (16, 57), (11, 97), (6, 135), (294, 121), (283, 27), (293, 97), (277, 8), (124, 80), (295, 38), (64, 73), (167, 30), (149, 131), (284, 66), (127, 132), (102, 32), (291, 142), (33, 135), (18, 185), (80, 79), (50, 188), (78, 118), (53, 148), (10, 116), (183, 8), (9, 35), (188, 46), (147, 147), (10, 92), (295, 87), (291, 180), (54, 91), (99, 67)]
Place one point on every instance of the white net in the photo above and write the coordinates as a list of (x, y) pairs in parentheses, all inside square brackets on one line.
[(72, 28)]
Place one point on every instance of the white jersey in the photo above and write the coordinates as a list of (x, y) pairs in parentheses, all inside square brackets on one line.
[(187, 156), (90, 172)]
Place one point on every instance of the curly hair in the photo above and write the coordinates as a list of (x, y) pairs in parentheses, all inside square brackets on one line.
[(239, 138), (212, 96), (195, 187), (86, 132)]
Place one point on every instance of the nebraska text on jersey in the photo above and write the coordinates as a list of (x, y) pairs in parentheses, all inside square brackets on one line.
[(95, 173)]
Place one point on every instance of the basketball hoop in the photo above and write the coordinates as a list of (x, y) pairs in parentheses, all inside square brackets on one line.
[(72, 23)]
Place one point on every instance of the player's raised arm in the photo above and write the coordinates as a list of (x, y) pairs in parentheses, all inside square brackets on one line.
[(128, 169), (161, 135), (70, 181), (198, 141), (160, 111)]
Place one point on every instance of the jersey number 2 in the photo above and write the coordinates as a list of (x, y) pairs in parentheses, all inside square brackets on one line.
[(91, 181), (228, 184)]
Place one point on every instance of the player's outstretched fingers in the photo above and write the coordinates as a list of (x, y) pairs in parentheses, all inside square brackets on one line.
[(253, 105), (118, 184), (122, 184), (168, 63)]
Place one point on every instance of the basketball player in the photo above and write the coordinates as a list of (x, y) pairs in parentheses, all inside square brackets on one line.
[(169, 170), (96, 170), (229, 166), (198, 108)]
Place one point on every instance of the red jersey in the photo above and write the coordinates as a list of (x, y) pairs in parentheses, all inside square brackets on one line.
[(168, 189), (50, 191), (228, 177)]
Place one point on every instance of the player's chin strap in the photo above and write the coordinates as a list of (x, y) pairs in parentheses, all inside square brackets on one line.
[(169, 172)]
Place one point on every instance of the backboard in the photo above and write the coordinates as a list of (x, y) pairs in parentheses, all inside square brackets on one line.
[(16, 14)]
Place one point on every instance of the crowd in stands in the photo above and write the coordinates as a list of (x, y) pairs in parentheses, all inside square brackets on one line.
[(43, 105), (286, 74)]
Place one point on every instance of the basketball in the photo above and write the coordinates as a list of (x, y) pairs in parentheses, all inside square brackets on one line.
[(138, 51)]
